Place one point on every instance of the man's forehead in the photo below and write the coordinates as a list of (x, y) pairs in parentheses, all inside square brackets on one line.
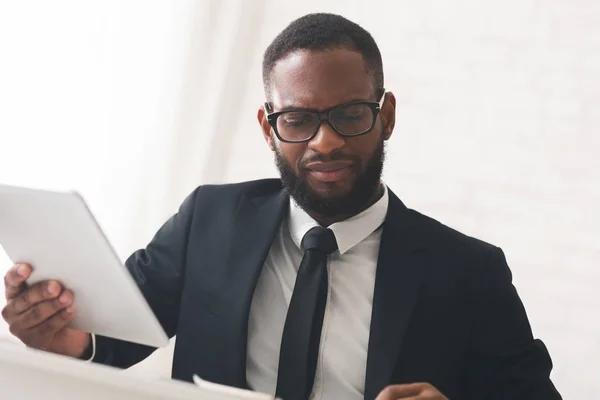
[(320, 79), (319, 100)]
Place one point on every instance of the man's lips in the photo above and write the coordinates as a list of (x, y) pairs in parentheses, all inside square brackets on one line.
[(329, 171), (328, 166)]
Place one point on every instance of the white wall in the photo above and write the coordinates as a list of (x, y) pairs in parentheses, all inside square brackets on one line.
[(498, 114), (89, 94)]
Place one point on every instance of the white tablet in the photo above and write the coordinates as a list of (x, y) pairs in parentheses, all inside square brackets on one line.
[(57, 234)]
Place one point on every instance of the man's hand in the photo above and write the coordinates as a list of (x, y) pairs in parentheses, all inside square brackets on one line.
[(38, 315), (414, 391)]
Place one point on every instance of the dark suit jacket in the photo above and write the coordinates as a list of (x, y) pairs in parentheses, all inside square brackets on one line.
[(444, 308)]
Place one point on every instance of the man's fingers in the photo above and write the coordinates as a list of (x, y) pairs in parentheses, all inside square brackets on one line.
[(34, 295), (40, 335), (395, 392), (413, 391), (24, 310), (56, 322), (14, 280), (42, 312)]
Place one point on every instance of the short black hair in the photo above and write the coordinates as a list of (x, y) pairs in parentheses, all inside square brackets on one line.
[(324, 31)]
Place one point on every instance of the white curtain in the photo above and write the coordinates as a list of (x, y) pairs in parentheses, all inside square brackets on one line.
[(136, 102)]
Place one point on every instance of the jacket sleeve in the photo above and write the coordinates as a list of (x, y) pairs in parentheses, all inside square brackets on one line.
[(506, 361), (158, 271)]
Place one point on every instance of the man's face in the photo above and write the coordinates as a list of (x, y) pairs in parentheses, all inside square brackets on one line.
[(330, 175)]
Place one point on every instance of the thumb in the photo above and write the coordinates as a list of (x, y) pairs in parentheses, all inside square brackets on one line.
[(14, 280)]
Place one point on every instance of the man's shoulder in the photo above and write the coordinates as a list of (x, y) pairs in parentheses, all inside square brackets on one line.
[(447, 239), (233, 191), (218, 203)]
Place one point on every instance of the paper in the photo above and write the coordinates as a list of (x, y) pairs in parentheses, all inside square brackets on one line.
[(236, 393)]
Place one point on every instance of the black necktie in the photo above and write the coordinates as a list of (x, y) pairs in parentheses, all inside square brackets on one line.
[(304, 320)]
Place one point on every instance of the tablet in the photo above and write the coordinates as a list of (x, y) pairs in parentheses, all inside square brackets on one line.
[(57, 234)]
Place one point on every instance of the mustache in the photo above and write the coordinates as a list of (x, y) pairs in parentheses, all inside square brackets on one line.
[(335, 156)]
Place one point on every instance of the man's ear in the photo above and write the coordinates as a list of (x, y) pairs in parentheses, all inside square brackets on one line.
[(388, 115), (265, 127)]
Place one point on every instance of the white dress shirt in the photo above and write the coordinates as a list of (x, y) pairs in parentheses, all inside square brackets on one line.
[(341, 366)]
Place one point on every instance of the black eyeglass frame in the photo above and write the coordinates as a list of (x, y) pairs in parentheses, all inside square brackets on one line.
[(322, 116)]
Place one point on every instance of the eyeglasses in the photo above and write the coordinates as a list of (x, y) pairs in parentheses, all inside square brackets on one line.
[(301, 125)]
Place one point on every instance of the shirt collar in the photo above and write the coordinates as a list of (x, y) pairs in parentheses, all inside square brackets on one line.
[(348, 233)]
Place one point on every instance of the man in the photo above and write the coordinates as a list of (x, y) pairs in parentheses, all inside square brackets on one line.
[(321, 284)]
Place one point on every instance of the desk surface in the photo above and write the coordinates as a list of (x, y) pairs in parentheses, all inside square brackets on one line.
[(29, 374)]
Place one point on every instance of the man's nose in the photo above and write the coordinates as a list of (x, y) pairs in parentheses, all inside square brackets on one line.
[(327, 140)]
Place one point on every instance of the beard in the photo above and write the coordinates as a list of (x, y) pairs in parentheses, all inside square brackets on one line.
[(350, 203)]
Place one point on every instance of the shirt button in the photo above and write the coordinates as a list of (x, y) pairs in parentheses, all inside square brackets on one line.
[(312, 396)]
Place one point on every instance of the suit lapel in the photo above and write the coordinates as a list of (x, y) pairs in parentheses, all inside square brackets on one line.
[(400, 268), (256, 223)]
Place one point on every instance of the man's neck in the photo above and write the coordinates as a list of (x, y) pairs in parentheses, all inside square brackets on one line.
[(326, 221)]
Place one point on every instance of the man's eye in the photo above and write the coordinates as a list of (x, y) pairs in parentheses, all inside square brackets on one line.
[(352, 117), (296, 120), (349, 117)]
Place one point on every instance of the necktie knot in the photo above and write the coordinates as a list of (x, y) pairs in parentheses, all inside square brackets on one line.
[(319, 238)]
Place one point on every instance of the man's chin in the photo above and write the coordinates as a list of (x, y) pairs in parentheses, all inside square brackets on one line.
[(331, 195), (327, 199)]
